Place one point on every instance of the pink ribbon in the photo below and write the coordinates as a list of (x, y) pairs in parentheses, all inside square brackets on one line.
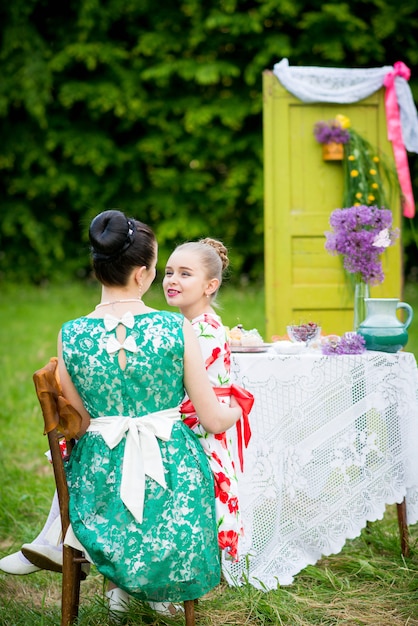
[(395, 136)]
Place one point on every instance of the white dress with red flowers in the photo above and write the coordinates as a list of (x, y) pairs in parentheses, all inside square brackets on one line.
[(219, 448)]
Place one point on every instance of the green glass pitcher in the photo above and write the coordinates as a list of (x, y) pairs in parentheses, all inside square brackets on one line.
[(382, 330)]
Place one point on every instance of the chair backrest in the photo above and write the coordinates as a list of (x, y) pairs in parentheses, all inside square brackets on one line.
[(61, 420)]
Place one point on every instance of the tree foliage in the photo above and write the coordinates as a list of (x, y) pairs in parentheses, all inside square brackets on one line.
[(156, 108)]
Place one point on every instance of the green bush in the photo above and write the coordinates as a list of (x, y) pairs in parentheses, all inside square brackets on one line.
[(156, 108)]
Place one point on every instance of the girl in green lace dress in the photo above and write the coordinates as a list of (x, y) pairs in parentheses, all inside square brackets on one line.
[(141, 489)]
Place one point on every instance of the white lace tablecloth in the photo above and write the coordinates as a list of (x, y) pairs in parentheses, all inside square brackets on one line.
[(334, 440)]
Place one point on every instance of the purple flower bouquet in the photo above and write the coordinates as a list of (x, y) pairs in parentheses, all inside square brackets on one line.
[(329, 132), (349, 343), (360, 234)]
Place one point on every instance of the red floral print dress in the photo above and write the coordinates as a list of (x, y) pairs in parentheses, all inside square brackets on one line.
[(219, 448)]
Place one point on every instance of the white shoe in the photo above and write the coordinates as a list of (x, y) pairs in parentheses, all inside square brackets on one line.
[(166, 608), (44, 556), (47, 556), (15, 564), (118, 600)]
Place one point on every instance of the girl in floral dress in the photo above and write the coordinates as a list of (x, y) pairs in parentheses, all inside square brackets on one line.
[(192, 279)]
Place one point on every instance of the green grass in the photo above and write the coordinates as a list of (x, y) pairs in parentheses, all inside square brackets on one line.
[(368, 583)]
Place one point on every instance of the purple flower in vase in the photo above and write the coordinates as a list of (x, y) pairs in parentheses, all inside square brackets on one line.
[(360, 234)]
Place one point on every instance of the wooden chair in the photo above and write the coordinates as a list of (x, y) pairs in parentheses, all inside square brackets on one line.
[(62, 420)]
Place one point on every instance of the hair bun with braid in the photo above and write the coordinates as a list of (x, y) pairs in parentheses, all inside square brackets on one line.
[(220, 249)]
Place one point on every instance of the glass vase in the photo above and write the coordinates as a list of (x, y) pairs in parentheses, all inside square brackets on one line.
[(361, 291)]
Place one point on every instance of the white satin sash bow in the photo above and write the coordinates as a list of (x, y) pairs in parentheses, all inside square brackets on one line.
[(142, 455)]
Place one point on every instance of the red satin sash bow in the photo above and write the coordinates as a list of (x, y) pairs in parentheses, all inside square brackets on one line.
[(395, 136), (244, 398)]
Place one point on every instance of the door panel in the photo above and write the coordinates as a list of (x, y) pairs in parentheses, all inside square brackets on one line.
[(303, 281)]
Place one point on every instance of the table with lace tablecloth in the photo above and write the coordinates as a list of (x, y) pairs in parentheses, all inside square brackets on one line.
[(334, 440)]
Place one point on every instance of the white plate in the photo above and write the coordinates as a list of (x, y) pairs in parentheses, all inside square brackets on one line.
[(288, 347), (262, 348)]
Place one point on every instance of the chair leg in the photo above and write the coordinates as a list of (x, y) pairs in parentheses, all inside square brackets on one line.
[(71, 577), (403, 527), (189, 612)]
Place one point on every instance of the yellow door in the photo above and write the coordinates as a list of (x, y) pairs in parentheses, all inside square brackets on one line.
[(303, 282)]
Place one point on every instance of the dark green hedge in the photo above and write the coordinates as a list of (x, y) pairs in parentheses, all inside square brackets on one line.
[(156, 108)]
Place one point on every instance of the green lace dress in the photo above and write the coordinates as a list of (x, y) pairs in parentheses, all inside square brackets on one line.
[(172, 553)]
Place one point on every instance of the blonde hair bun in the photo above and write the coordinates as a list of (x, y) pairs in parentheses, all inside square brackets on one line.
[(220, 249)]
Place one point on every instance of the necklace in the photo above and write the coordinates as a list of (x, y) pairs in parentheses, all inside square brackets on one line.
[(117, 301)]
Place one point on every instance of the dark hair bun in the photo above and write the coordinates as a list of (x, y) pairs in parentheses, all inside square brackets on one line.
[(109, 232)]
